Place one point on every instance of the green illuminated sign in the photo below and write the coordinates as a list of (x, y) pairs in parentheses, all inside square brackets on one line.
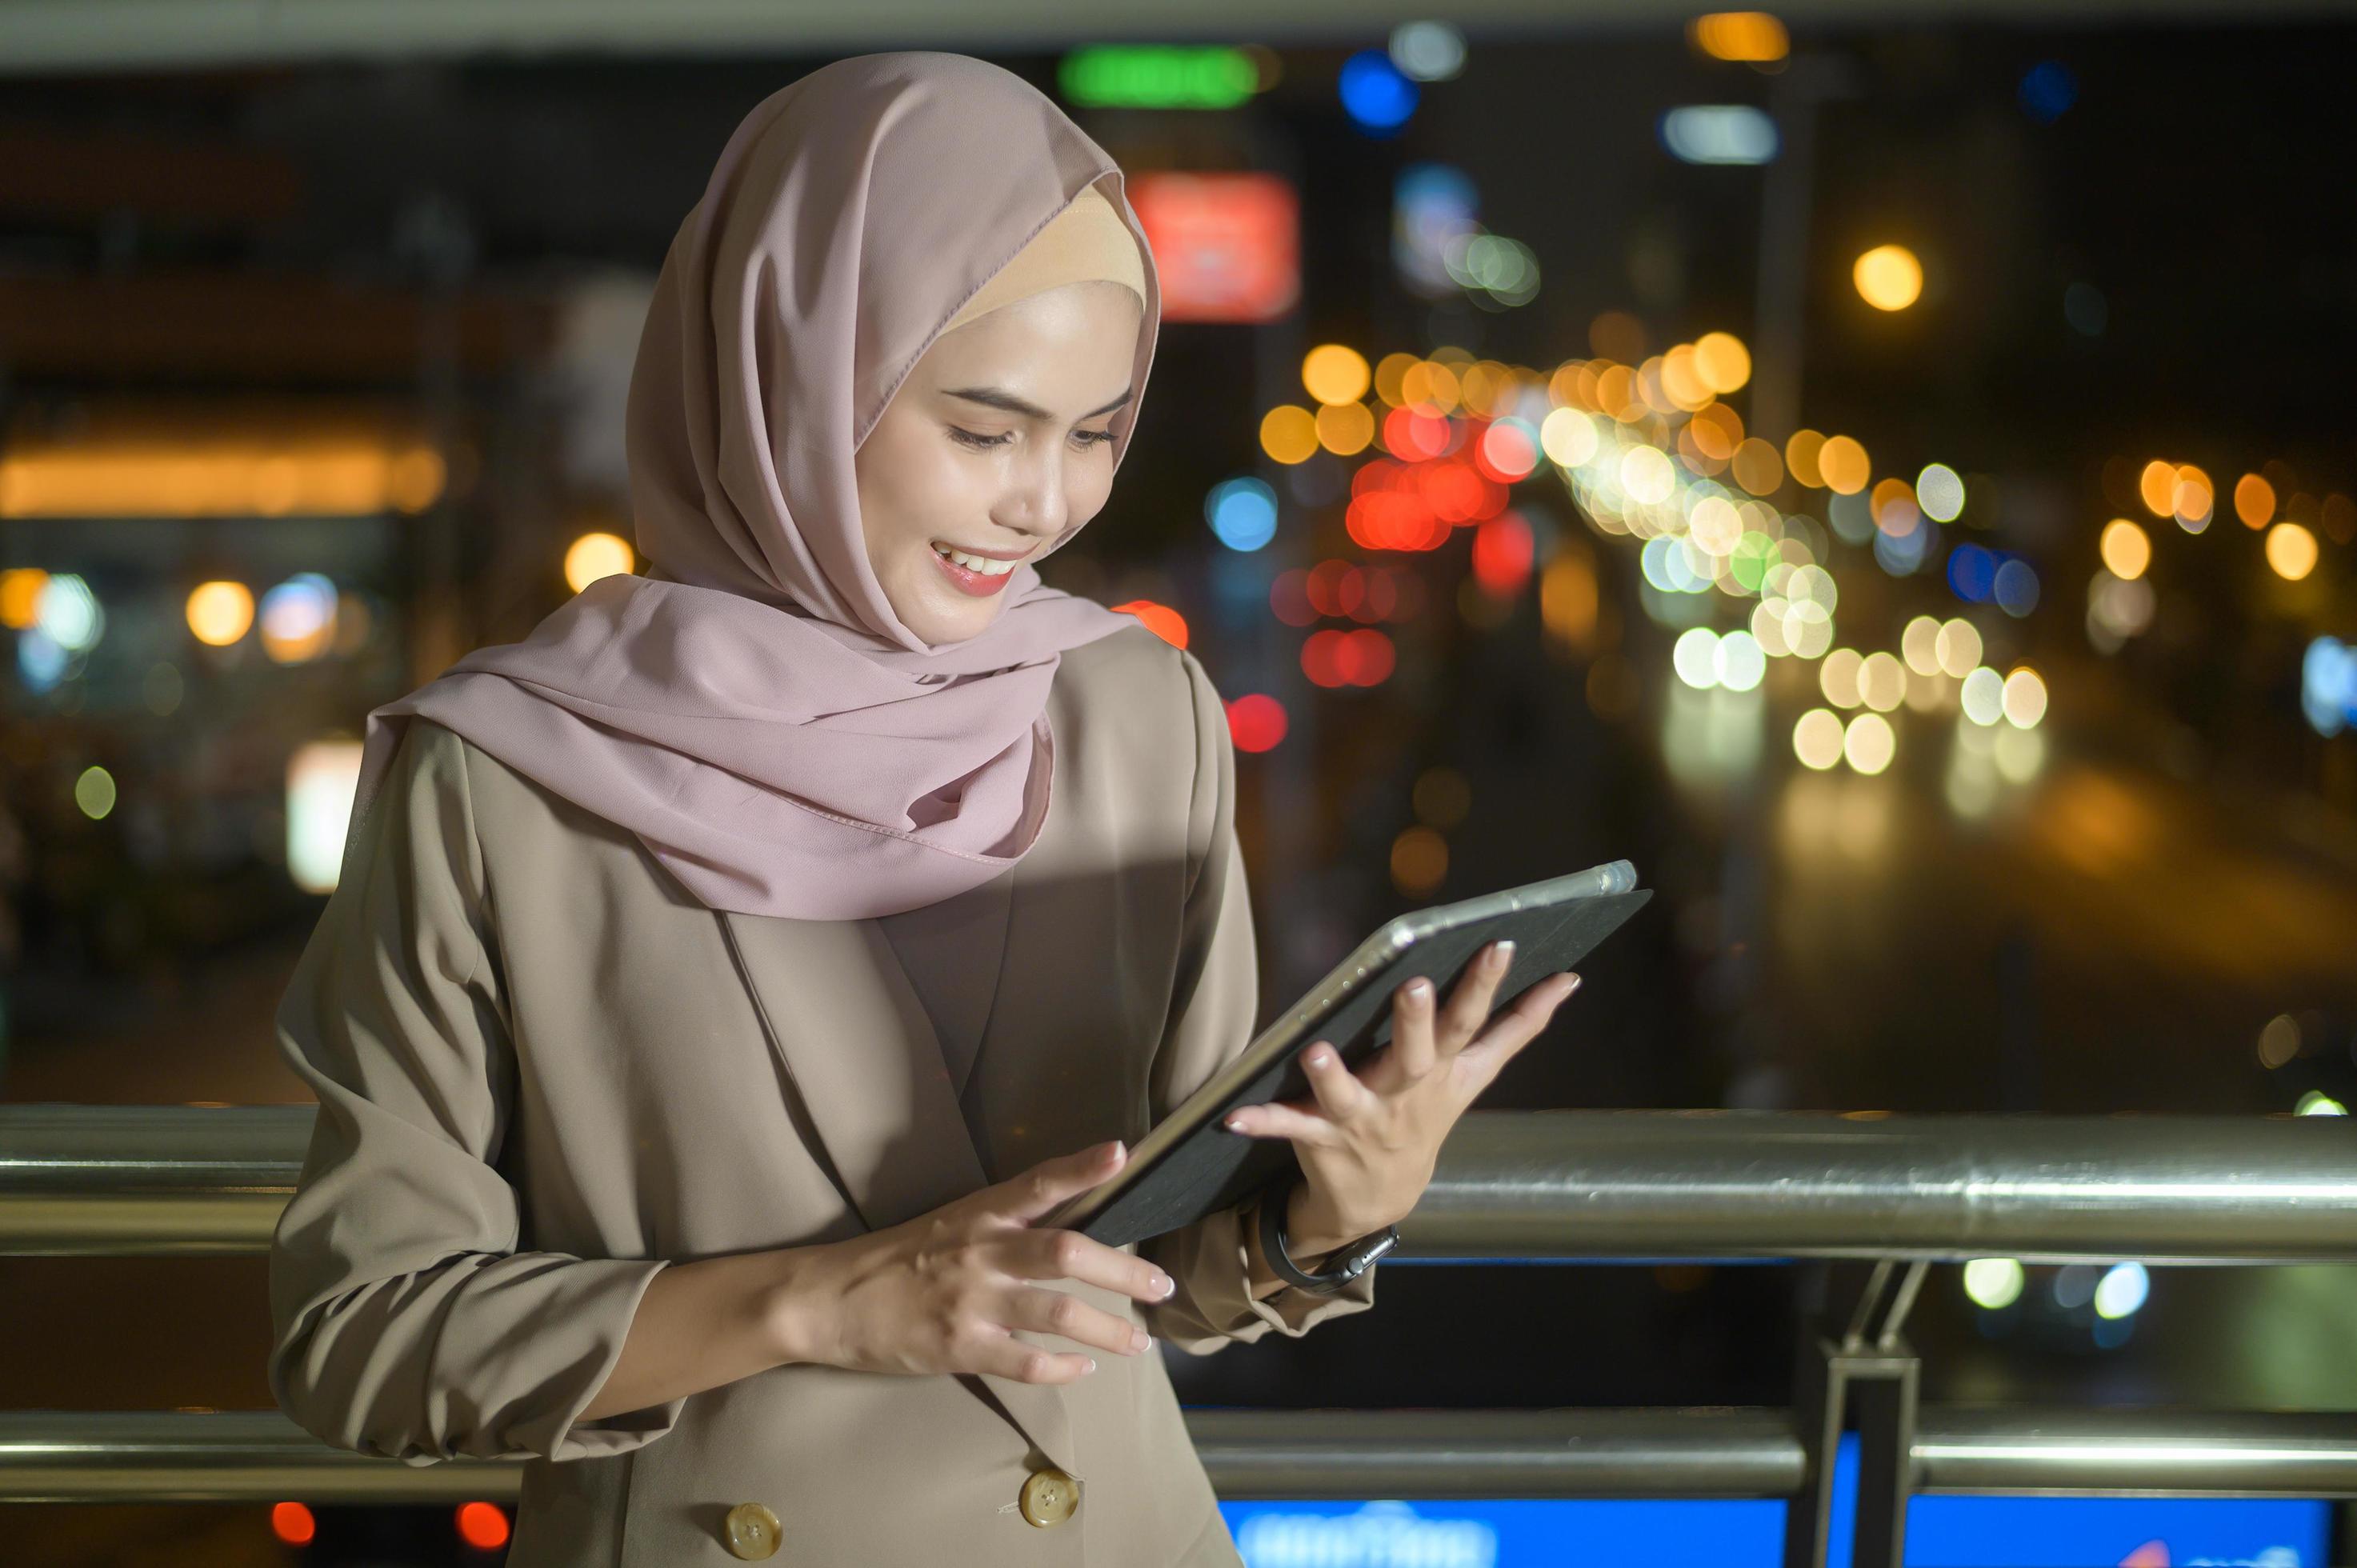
[(1157, 76)]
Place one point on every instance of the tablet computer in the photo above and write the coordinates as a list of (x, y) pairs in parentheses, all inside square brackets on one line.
[(1190, 1166)]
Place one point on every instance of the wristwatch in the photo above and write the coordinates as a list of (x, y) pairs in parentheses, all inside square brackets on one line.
[(1343, 1267)]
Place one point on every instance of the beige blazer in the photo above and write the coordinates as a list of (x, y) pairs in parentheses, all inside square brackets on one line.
[(544, 1072)]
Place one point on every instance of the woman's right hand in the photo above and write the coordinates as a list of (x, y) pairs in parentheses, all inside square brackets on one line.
[(943, 1292)]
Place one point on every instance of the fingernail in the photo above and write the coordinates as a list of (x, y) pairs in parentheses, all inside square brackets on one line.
[(1505, 951), (1140, 1340), (1093, 1364), (1163, 1284), (1112, 1150), (1421, 989), (1233, 1124)]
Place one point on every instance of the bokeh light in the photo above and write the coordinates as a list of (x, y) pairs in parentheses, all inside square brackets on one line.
[(1842, 462), (2254, 501), (1288, 434), (298, 618), (1242, 512), (2291, 551), (67, 613), (596, 555), (1722, 362), (1755, 38), (1419, 861), (1981, 697), (482, 1526), (1335, 374), (219, 613), (1817, 739), (1888, 277), (2025, 698), (94, 792), (1375, 93), (1869, 743), (1161, 619), (2126, 548), (1994, 1284), (1940, 491), (1257, 721)]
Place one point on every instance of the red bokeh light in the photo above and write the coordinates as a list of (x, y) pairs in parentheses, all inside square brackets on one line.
[(1325, 586), (1453, 491), (1393, 520), (1256, 721), (1363, 657), (1161, 619), (292, 1523), (483, 1526), (1505, 453), (1288, 597), (1410, 435), (1502, 549)]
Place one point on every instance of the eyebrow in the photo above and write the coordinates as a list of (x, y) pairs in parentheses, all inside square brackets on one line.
[(1007, 401)]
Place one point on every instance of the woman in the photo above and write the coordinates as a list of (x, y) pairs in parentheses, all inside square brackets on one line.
[(720, 979)]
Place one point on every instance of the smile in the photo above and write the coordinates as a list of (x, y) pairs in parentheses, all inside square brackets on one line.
[(975, 574)]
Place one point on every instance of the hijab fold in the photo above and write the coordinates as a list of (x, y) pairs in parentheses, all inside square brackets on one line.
[(750, 706)]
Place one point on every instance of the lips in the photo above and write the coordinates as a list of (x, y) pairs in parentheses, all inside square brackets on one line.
[(979, 585)]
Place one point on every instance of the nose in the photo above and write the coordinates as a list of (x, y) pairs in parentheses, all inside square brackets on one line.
[(1033, 503)]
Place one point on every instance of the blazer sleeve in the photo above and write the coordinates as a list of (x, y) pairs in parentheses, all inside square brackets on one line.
[(1214, 1002), (405, 1322)]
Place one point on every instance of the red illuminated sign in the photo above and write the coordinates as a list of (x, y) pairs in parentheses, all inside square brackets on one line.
[(1227, 246)]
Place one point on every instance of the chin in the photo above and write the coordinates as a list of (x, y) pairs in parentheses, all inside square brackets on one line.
[(936, 623)]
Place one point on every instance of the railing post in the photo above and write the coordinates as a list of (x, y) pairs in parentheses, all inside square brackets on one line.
[(1851, 1345)]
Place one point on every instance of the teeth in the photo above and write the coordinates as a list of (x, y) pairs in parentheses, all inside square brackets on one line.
[(980, 563)]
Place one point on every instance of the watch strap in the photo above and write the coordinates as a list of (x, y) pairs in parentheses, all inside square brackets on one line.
[(1343, 1266)]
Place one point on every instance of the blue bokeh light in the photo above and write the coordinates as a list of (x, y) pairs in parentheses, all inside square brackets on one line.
[(2328, 685), (1971, 573), (1242, 512), (1899, 554), (2016, 587), (1375, 92), (2048, 89)]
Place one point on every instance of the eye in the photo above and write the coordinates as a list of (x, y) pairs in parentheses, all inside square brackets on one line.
[(1093, 437), (978, 442)]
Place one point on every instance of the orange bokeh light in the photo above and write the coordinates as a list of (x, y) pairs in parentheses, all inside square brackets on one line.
[(1161, 619), (483, 1526), (294, 1524)]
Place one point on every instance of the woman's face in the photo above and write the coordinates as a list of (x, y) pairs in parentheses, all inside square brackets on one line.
[(998, 441)]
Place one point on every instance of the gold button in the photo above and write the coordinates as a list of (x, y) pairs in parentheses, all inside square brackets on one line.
[(753, 1531), (1050, 1496)]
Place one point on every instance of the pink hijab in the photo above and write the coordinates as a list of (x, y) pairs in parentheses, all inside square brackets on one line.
[(751, 707)]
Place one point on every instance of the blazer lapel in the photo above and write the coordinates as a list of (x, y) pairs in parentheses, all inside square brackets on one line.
[(855, 1044)]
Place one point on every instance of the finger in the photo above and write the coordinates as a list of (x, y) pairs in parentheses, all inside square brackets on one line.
[(1069, 1255), (1468, 1004), (1062, 1313), (1035, 1192), (1515, 1027), (1279, 1120), (1339, 1093), (1412, 1044), (1018, 1361)]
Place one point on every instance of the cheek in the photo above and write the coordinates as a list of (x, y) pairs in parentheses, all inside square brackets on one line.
[(1086, 491), (907, 491)]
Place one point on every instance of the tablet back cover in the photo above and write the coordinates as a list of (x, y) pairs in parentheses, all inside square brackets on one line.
[(1210, 1168)]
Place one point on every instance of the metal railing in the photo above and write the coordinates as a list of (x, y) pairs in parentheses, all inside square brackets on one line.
[(1872, 1198)]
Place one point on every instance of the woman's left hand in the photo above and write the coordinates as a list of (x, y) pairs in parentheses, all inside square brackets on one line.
[(1368, 1140)]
